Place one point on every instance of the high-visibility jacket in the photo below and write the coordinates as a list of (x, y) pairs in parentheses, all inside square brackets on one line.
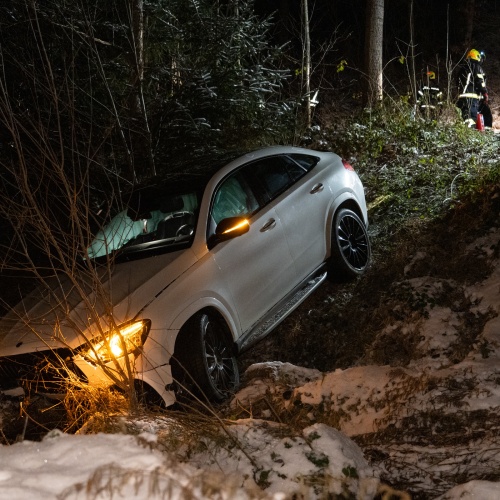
[(429, 97), (472, 80)]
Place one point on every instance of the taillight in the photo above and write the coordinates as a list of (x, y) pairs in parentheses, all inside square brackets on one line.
[(347, 165)]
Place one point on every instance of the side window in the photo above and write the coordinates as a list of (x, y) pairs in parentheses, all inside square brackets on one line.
[(277, 173), (233, 198), (296, 170), (305, 161)]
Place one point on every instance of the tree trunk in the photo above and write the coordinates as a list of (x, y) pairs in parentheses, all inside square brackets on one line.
[(140, 134), (373, 51), (413, 72), (307, 61)]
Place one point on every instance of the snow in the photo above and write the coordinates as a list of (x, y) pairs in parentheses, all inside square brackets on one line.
[(127, 466), (55, 465), (259, 457)]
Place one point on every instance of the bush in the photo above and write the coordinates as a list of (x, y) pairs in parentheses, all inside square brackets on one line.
[(412, 167)]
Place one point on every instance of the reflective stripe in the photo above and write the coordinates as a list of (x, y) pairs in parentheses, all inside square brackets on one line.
[(468, 80), (470, 96)]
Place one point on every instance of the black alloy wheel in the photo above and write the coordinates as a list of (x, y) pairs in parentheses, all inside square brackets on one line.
[(206, 366), (351, 250)]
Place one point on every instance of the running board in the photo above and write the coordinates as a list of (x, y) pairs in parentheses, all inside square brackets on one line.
[(281, 311)]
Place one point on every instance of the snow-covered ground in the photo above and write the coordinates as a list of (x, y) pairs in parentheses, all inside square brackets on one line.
[(451, 389)]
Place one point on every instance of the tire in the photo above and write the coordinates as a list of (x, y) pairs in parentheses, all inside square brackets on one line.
[(204, 363), (351, 252)]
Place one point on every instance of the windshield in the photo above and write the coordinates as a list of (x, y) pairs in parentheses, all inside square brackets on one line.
[(153, 219)]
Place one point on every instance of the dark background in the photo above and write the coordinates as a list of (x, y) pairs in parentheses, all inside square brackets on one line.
[(440, 29)]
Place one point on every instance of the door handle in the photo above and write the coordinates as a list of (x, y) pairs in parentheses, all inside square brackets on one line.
[(317, 188), (270, 224)]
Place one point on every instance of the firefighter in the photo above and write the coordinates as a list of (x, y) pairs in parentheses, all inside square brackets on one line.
[(429, 96), (473, 92)]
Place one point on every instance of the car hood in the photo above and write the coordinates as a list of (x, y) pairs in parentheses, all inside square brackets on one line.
[(66, 311)]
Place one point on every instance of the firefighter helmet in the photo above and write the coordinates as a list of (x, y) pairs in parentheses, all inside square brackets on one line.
[(474, 54), (431, 75)]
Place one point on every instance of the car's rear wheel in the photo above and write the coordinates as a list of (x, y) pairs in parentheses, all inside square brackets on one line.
[(205, 365), (351, 250)]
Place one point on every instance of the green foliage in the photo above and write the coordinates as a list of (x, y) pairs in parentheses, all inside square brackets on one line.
[(350, 471), (226, 84), (262, 478), (412, 167), (206, 78), (318, 459), (314, 435)]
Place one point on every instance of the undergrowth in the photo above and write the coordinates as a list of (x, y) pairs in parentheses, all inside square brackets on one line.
[(412, 167)]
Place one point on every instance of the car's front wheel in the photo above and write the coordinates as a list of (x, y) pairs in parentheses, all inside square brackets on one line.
[(351, 250), (204, 363)]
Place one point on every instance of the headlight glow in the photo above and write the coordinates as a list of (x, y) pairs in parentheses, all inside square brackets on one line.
[(128, 338)]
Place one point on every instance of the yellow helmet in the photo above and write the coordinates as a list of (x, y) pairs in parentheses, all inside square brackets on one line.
[(431, 75), (474, 54)]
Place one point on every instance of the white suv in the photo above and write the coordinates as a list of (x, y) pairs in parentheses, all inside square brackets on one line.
[(196, 268)]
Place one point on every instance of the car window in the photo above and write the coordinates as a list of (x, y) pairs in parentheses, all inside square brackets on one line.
[(305, 161), (277, 173), (152, 219), (233, 198)]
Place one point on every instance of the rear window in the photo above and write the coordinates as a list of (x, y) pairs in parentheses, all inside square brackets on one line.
[(305, 161)]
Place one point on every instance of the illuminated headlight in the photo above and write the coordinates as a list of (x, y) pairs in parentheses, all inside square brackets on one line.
[(127, 339)]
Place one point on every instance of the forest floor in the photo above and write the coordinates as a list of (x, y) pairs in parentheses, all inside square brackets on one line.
[(412, 350)]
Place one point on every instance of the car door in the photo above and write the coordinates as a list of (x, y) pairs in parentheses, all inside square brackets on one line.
[(301, 200), (256, 267)]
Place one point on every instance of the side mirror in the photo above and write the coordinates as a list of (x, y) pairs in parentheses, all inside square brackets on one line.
[(227, 229)]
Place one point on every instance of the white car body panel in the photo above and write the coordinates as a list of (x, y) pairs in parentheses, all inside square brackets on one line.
[(130, 288), (254, 282), (305, 205)]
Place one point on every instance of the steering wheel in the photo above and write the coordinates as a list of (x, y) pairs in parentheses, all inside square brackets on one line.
[(184, 229)]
